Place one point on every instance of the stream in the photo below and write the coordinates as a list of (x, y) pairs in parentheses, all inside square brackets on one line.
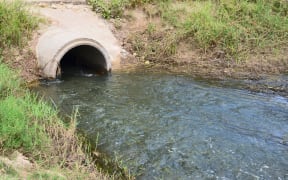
[(167, 126)]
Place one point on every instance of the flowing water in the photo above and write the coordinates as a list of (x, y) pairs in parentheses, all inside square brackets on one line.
[(165, 126)]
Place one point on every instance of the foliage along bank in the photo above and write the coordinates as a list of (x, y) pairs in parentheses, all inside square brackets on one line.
[(225, 36)]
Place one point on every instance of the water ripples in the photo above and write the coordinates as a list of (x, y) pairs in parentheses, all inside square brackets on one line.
[(172, 127)]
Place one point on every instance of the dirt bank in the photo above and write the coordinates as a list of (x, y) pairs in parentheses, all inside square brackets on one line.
[(149, 39)]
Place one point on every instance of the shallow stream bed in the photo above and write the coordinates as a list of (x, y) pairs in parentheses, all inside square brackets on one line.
[(164, 126)]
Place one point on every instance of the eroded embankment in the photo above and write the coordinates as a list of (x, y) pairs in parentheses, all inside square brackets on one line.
[(218, 40)]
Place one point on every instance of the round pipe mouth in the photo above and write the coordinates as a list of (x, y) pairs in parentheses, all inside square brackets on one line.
[(84, 58), (54, 46)]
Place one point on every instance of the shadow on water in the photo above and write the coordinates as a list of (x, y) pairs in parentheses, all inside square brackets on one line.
[(173, 127)]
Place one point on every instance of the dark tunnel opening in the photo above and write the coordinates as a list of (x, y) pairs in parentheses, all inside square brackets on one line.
[(83, 60)]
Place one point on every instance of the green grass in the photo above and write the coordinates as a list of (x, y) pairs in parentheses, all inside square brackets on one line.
[(32, 127), (237, 27), (9, 82), (16, 23), (22, 123), (46, 176), (28, 124), (10, 172), (115, 8)]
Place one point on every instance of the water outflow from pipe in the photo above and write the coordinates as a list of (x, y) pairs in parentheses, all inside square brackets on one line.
[(173, 127)]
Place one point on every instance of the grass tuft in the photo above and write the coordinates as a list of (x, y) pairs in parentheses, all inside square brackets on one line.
[(16, 23), (7, 172), (17, 130), (115, 8), (9, 82)]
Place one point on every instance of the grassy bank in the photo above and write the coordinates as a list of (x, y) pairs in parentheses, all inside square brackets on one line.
[(31, 132), (34, 141), (16, 23), (225, 36), (236, 27)]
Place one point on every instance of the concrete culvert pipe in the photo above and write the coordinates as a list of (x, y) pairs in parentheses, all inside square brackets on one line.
[(85, 58), (57, 50)]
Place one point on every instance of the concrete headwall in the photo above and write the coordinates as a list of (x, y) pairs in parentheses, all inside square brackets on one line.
[(53, 45), (73, 29)]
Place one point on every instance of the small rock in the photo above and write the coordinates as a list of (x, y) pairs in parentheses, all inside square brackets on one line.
[(53, 6), (42, 5), (21, 161), (147, 62)]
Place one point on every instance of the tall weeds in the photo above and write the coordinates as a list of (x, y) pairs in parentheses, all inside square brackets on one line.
[(16, 23), (9, 82)]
